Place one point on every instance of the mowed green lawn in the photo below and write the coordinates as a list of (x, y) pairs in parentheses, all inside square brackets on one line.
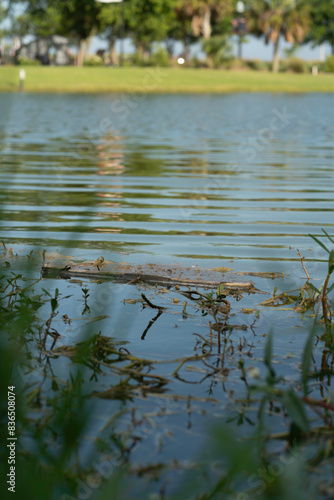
[(155, 80)]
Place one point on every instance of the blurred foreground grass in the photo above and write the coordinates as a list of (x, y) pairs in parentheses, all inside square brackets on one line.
[(286, 452), (159, 80)]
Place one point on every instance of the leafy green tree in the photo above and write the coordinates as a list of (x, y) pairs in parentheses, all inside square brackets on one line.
[(2, 12), (80, 20), (2, 17), (275, 18), (148, 21), (182, 29), (37, 22), (322, 22), (76, 19), (217, 49), (40, 18), (110, 21)]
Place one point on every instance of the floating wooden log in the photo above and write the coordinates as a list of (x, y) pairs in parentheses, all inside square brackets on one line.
[(150, 274)]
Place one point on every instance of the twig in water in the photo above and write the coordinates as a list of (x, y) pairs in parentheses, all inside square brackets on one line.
[(302, 261), (150, 303), (135, 280), (151, 323), (320, 403)]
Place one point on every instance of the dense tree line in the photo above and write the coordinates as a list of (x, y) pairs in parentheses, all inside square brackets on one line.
[(148, 21), (2, 16)]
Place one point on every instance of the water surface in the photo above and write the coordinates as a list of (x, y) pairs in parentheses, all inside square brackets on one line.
[(170, 178), (198, 180)]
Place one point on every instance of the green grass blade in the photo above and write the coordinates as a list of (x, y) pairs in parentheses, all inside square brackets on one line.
[(330, 239), (306, 359), (268, 351), (219, 486), (314, 288), (296, 410), (319, 243), (331, 262)]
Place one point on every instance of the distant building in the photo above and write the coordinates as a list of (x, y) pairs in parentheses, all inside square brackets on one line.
[(42, 48)]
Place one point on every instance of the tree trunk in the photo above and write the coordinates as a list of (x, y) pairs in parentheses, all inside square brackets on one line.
[(80, 57), (147, 53), (276, 56), (140, 52), (169, 47), (185, 43), (112, 54), (333, 48), (206, 24)]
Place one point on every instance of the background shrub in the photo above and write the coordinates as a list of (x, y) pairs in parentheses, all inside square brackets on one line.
[(257, 65), (218, 50), (94, 61), (329, 64), (294, 65), (23, 61), (160, 58)]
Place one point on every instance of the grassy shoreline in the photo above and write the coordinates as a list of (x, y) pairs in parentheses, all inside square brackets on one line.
[(159, 80)]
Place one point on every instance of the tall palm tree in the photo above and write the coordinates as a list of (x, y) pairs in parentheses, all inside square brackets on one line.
[(275, 18), (202, 13)]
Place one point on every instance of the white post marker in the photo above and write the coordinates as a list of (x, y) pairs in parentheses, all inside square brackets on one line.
[(22, 77)]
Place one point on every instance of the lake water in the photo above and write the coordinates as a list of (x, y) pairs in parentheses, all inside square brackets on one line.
[(177, 178), (196, 180)]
